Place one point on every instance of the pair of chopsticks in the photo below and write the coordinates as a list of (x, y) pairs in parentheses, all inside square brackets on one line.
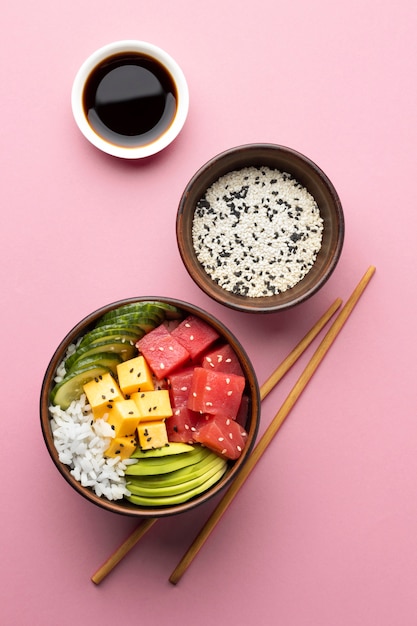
[(266, 438)]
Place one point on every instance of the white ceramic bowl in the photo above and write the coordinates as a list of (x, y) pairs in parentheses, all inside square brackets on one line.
[(143, 148)]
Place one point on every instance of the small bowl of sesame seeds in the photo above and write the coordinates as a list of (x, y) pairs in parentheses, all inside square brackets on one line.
[(260, 228)]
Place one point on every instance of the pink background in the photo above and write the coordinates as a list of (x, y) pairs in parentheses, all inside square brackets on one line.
[(324, 531)]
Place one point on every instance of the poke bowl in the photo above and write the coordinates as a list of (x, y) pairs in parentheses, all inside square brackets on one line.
[(260, 228), (149, 407)]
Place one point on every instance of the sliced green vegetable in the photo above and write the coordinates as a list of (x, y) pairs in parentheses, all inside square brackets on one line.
[(71, 387), (97, 359), (124, 349), (171, 448), (177, 498), (167, 464), (178, 481), (128, 333)]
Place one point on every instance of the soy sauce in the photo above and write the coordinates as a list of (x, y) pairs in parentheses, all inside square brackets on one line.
[(130, 99)]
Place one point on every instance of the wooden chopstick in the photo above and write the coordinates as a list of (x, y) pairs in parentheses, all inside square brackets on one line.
[(301, 347), (121, 552), (269, 384), (270, 432)]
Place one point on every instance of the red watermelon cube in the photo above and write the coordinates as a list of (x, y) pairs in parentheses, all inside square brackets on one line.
[(180, 385), (181, 426), (195, 335), (216, 393), (224, 436), (223, 359), (162, 351)]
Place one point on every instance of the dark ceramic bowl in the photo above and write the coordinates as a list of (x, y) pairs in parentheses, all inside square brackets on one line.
[(311, 177), (123, 506)]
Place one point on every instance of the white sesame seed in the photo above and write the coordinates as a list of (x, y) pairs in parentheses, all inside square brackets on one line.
[(221, 438), (229, 393), (274, 225)]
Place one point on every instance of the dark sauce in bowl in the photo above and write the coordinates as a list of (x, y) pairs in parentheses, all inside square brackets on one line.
[(130, 99)]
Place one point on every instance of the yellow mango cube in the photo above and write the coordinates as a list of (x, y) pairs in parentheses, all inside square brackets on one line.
[(134, 375), (102, 393), (152, 435), (153, 405), (121, 447), (124, 418)]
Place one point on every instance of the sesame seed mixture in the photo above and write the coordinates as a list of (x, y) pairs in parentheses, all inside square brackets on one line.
[(257, 231)]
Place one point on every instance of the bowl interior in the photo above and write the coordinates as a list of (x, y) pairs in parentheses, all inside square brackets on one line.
[(123, 506), (310, 176)]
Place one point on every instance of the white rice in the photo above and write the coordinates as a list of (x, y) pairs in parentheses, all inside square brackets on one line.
[(81, 441)]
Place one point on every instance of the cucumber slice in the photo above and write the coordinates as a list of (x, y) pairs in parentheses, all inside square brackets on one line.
[(144, 323), (135, 310), (71, 387), (101, 358), (171, 448), (155, 309), (123, 348), (169, 311), (126, 333)]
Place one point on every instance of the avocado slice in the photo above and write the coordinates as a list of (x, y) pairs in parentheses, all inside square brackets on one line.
[(178, 481), (177, 498), (167, 464), (171, 448)]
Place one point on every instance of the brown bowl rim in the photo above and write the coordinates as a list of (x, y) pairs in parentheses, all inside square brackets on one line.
[(123, 507), (211, 171)]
